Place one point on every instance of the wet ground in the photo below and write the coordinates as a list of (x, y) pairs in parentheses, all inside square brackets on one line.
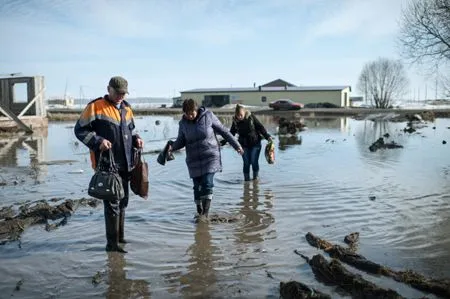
[(325, 180)]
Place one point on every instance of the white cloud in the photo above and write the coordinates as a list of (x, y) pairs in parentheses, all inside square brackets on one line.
[(368, 19)]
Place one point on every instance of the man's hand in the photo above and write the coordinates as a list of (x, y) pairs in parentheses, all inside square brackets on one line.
[(105, 145), (139, 143), (240, 151)]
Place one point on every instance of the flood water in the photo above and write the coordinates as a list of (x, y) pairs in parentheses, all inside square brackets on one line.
[(324, 181)]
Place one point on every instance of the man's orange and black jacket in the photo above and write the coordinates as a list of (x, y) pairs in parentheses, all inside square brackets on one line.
[(101, 119)]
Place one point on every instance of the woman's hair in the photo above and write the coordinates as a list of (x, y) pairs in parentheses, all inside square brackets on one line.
[(189, 105), (238, 109)]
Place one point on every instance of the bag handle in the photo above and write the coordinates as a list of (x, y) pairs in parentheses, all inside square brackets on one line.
[(112, 167), (140, 155)]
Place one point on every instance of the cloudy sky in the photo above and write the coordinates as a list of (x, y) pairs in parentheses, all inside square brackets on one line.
[(166, 46)]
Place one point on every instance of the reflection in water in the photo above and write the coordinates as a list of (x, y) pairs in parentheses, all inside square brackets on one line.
[(407, 226), (341, 123), (286, 141), (24, 153), (256, 221), (372, 130), (10, 150), (200, 281), (119, 286)]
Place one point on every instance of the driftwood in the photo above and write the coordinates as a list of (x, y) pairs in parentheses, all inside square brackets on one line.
[(298, 290), (415, 280), (11, 227), (335, 274)]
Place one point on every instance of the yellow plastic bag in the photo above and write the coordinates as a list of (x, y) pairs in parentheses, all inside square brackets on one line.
[(270, 152)]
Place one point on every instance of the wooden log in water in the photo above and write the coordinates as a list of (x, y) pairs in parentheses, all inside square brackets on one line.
[(335, 274), (415, 280), (345, 254), (6, 212), (355, 284), (298, 290)]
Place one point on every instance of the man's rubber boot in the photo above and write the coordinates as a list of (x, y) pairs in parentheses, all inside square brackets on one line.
[(112, 232), (122, 227)]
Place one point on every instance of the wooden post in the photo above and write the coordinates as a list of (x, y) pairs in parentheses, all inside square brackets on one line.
[(31, 103), (11, 115)]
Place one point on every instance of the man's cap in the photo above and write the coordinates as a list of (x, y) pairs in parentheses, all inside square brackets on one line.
[(119, 84)]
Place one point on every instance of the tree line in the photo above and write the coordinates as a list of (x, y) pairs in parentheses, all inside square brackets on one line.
[(424, 40)]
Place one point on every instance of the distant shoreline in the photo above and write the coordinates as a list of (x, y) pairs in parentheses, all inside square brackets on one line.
[(73, 114)]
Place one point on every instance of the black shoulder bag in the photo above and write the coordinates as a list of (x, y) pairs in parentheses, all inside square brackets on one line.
[(106, 183)]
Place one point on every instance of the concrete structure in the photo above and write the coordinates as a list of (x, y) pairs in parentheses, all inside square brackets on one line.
[(22, 102), (264, 94)]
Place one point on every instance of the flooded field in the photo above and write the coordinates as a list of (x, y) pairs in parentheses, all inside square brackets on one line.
[(325, 181)]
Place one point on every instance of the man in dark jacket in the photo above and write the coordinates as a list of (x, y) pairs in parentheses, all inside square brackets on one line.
[(107, 123), (197, 132), (250, 130)]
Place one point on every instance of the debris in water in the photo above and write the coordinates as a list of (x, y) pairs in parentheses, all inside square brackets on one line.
[(97, 278), (19, 284), (269, 274), (76, 171)]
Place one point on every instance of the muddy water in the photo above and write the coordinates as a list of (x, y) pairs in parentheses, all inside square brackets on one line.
[(325, 180)]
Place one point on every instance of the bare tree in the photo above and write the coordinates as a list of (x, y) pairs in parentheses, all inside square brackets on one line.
[(425, 31), (425, 36), (383, 80), (445, 82)]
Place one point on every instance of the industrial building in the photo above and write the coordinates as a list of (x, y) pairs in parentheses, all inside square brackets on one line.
[(264, 94)]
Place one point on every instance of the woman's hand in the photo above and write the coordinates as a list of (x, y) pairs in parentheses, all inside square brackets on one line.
[(139, 143)]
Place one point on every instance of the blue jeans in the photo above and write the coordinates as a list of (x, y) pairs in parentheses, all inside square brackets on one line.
[(251, 157), (203, 187)]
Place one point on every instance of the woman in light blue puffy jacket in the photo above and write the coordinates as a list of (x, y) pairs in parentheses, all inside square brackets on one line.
[(197, 132)]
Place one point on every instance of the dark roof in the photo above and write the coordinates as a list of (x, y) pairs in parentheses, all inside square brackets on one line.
[(278, 83), (254, 89)]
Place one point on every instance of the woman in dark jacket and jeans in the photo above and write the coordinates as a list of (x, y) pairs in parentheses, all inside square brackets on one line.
[(250, 130), (197, 132)]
